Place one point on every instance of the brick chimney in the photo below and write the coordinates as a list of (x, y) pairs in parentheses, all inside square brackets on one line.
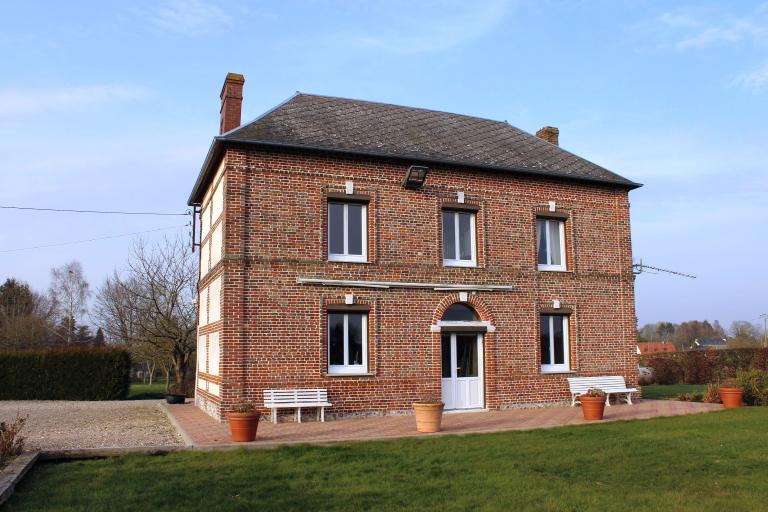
[(549, 134), (231, 102)]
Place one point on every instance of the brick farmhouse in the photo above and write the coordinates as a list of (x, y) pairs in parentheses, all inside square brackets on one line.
[(389, 253)]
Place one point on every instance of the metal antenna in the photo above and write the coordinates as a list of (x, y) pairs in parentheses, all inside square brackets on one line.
[(639, 268)]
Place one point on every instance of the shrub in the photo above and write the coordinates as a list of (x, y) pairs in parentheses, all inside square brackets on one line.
[(11, 440), (645, 380), (595, 393), (666, 370), (71, 374), (704, 366), (243, 408), (760, 361), (712, 396), (755, 384), (685, 397)]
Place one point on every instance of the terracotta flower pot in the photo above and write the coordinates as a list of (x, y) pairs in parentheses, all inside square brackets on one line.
[(243, 426), (731, 397), (593, 407), (428, 416)]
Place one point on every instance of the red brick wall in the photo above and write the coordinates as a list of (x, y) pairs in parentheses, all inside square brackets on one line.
[(273, 329)]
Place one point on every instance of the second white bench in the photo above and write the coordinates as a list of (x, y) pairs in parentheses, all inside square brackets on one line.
[(613, 385), (296, 399)]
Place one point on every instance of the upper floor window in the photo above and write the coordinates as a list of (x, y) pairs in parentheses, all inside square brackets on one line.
[(550, 244), (347, 343), (347, 232), (459, 244), (554, 343)]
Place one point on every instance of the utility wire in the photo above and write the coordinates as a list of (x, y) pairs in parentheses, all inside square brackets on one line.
[(92, 239), (187, 213)]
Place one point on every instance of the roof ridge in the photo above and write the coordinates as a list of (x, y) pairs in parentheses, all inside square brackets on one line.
[(386, 104)]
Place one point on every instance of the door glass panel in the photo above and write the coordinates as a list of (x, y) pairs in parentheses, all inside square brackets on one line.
[(558, 335), (446, 355), (355, 229), (335, 228), (541, 242), (466, 355), (335, 339), (545, 357), (465, 236), (449, 236), (355, 337)]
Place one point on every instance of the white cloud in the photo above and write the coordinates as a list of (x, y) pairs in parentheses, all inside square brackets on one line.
[(677, 20), (20, 102), (735, 32), (413, 27), (185, 17), (754, 79)]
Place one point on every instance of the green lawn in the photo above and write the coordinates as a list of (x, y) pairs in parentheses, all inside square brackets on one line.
[(670, 392), (146, 391), (706, 462)]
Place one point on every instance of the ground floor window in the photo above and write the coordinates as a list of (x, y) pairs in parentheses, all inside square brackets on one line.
[(554, 343), (347, 342)]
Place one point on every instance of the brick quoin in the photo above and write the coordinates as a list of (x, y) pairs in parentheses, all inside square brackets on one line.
[(273, 330)]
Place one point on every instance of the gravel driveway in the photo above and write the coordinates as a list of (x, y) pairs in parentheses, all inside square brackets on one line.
[(61, 425)]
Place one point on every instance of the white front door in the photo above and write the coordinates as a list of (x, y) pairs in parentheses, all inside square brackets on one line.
[(462, 361)]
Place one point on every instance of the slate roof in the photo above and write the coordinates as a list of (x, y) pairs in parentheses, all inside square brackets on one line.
[(383, 130)]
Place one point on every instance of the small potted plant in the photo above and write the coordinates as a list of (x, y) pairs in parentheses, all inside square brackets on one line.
[(731, 394), (429, 414), (593, 404), (243, 421), (176, 394)]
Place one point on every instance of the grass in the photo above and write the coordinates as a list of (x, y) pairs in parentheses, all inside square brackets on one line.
[(704, 462), (139, 391), (670, 392)]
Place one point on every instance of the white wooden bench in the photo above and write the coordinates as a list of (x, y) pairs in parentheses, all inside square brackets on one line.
[(296, 399), (610, 386)]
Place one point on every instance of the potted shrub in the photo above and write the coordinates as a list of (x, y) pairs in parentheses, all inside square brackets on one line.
[(429, 414), (731, 394), (243, 422), (176, 394), (593, 404)]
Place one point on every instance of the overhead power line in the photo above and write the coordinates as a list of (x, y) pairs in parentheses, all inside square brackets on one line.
[(59, 244), (108, 212)]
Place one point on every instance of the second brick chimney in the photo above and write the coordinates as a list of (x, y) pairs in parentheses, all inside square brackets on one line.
[(231, 102), (549, 134)]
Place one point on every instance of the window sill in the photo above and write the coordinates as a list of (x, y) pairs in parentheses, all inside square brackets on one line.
[(552, 269), (365, 374), (557, 372), (468, 264), (345, 260)]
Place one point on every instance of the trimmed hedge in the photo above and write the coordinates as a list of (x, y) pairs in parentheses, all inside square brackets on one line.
[(704, 366), (71, 374)]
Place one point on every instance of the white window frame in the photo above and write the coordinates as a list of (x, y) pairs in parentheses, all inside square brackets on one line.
[(456, 236), (561, 228), (566, 366), (354, 258), (348, 369)]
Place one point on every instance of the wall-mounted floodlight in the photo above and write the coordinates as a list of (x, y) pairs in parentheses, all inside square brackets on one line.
[(415, 176)]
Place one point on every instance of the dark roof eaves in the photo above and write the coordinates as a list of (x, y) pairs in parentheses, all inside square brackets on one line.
[(621, 182)]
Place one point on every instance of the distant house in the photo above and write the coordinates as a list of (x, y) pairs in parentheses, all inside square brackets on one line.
[(709, 344), (655, 347)]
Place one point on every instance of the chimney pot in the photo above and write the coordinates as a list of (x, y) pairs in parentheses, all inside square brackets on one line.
[(231, 102), (549, 134)]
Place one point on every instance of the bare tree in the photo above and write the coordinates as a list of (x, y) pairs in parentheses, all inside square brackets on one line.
[(26, 317), (69, 291), (151, 305)]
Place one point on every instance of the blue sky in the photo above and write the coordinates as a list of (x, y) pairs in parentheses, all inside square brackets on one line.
[(113, 106)]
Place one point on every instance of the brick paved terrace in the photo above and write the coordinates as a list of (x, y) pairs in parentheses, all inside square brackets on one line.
[(205, 431)]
